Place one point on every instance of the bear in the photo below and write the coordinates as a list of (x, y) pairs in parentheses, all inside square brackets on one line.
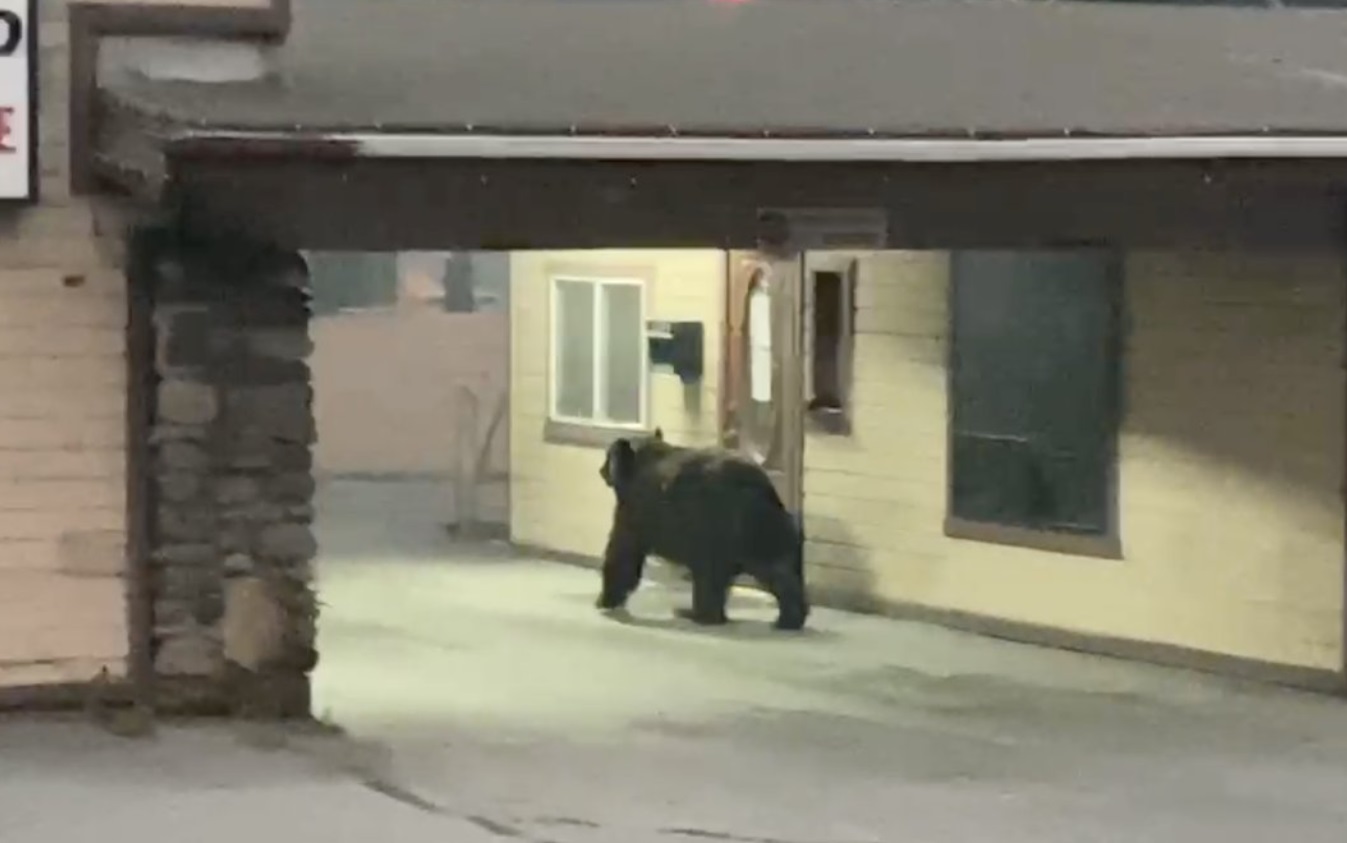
[(710, 511)]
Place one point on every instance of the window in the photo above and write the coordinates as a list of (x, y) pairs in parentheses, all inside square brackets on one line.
[(1034, 390), (343, 281), (598, 368), (832, 338), (459, 282), (759, 423)]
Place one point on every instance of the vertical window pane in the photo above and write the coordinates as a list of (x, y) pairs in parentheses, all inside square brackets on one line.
[(574, 349), (624, 332), (757, 414), (760, 345)]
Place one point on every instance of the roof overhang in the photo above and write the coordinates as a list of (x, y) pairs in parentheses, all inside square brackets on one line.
[(90, 21), (849, 150), (438, 181), (317, 189)]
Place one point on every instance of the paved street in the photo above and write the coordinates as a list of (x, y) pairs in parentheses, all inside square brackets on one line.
[(62, 781), (485, 700), (500, 694)]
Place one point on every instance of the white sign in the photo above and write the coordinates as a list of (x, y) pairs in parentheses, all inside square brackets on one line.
[(832, 228), (18, 107)]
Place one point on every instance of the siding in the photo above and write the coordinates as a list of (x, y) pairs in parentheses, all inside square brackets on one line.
[(62, 428), (1230, 464), (558, 501), (62, 476)]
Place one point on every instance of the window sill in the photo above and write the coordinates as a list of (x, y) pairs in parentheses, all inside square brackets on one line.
[(1098, 547), (587, 435)]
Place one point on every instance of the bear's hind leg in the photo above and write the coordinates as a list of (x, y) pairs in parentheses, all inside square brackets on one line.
[(787, 586), (710, 593)]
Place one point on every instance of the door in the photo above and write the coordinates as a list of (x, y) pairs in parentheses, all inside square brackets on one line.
[(761, 402)]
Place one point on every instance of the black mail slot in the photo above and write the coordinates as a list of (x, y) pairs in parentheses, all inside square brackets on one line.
[(677, 346)]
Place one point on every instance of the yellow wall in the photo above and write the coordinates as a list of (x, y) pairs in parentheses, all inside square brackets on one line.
[(558, 501), (1230, 464)]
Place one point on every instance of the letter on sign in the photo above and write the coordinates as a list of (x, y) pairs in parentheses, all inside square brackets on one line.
[(13, 32), (17, 110)]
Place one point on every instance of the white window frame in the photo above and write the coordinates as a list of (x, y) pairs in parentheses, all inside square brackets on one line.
[(599, 417)]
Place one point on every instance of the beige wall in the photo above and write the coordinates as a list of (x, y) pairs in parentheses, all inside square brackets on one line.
[(62, 476), (62, 454), (62, 480), (558, 501), (389, 388), (1230, 464)]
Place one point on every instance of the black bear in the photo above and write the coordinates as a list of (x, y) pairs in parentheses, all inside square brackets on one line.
[(708, 510)]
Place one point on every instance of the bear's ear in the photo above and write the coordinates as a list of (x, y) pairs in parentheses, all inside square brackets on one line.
[(618, 464), (659, 434)]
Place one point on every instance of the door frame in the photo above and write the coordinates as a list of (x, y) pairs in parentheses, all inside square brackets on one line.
[(787, 274)]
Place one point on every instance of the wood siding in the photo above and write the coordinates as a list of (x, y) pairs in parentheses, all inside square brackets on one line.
[(62, 475), (1230, 464), (63, 610)]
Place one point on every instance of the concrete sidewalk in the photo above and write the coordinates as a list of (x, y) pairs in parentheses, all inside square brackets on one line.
[(528, 717), (499, 693), (67, 782)]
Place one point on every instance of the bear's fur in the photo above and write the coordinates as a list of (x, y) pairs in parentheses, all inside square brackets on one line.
[(708, 510)]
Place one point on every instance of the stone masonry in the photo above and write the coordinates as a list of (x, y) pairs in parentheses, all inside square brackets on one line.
[(232, 537)]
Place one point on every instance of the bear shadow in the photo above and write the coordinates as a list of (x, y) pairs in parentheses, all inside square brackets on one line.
[(735, 629)]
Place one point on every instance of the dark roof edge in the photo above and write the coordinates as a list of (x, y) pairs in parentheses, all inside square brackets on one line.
[(89, 22), (201, 129), (175, 139)]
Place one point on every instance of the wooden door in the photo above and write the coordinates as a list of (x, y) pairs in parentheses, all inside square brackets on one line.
[(761, 368)]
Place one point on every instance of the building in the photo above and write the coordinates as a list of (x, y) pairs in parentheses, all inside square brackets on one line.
[(1184, 204), (1193, 523), (411, 385)]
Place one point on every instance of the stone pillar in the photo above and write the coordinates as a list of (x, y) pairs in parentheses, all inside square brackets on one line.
[(232, 540)]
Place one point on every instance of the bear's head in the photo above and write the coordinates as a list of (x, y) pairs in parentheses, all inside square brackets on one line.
[(619, 462)]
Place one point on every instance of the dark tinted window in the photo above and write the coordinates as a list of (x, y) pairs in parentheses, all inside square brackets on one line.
[(352, 280), (1034, 388)]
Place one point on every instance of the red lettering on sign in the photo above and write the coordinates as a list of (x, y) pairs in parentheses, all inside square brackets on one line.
[(6, 130)]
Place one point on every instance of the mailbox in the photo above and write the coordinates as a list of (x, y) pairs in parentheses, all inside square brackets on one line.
[(676, 346)]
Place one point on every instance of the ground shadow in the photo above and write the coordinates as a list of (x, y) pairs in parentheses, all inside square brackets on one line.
[(735, 629)]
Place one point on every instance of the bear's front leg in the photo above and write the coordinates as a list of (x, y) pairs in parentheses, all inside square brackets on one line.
[(623, 563)]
